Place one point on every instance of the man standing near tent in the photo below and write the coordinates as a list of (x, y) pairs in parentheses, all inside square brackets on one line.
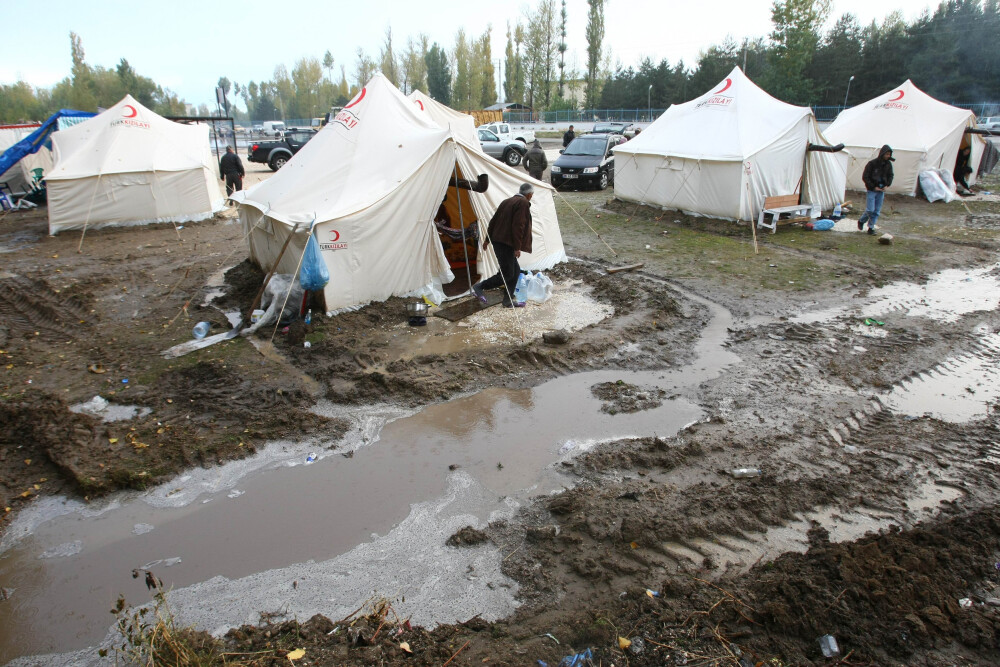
[(569, 136), (231, 169), (877, 177), (535, 161), (510, 232)]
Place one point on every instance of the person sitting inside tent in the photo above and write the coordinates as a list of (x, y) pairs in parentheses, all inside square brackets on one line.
[(510, 232), (963, 168), (231, 169), (877, 177)]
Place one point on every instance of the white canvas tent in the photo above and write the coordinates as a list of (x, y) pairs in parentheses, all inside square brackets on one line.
[(923, 132), (461, 125), (130, 166), (20, 176), (371, 181), (721, 154)]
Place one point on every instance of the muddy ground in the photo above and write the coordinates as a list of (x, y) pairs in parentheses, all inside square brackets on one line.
[(658, 543)]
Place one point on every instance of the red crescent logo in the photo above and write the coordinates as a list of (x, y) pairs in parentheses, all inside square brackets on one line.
[(896, 99), (729, 82), (360, 97), (336, 236), (420, 104), (129, 115)]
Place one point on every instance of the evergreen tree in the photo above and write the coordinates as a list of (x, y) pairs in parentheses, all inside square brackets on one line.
[(595, 49), (438, 75)]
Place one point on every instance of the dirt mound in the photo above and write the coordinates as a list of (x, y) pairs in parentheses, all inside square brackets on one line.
[(44, 447), (623, 397), (466, 537)]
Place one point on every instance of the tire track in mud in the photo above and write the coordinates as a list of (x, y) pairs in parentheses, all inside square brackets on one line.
[(28, 306)]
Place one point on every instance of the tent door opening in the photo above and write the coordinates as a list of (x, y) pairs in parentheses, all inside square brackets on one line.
[(456, 220)]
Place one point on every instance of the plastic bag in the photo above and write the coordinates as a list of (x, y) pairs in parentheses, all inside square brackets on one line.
[(823, 225), (432, 293), (314, 274), (539, 288), (934, 188)]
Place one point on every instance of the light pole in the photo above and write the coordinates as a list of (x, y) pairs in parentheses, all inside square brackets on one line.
[(848, 90), (649, 106)]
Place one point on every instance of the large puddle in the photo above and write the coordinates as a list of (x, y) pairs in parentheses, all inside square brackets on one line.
[(946, 296), (962, 387), (281, 532)]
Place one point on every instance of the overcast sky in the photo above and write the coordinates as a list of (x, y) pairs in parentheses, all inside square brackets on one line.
[(186, 45)]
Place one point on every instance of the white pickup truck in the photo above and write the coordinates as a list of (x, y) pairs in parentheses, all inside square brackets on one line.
[(505, 131)]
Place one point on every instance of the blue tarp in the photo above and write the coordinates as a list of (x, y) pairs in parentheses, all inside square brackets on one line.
[(34, 141)]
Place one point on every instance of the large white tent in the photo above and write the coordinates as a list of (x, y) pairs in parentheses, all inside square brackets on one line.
[(721, 154), (369, 185), (461, 125), (924, 133), (130, 166)]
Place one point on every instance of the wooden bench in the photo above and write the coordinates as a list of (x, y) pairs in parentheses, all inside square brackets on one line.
[(783, 205)]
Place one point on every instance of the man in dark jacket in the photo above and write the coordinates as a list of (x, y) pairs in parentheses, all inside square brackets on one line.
[(510, 232), (535, 161), (231, 169), (877, 177), (569, 136)]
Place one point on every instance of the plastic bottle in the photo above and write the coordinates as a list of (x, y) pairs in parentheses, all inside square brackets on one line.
[(201, 329), (739, 473), (309, 316), (828, 645), (837, 212), (521, 291)]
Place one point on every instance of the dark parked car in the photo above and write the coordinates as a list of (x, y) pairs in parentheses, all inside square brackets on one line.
[(587, 161), (276, 153)]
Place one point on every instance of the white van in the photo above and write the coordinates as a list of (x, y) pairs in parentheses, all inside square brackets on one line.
[(273, 127)]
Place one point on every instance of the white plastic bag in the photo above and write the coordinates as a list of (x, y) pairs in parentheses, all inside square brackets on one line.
[(432, 291), (933, 187), (539, 287)]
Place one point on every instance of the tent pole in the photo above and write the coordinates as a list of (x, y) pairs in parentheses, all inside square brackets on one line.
[(461, 225)]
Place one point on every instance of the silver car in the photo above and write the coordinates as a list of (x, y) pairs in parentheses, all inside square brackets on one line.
[(991, 123), (510, 152)]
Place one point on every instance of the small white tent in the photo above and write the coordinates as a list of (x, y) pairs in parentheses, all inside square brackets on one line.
[(369, 184), (721, 154), (130, 166), (923, 132), (20, 176)]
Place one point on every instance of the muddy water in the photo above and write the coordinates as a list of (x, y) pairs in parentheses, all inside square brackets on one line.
[(959, 389), (230, 541)]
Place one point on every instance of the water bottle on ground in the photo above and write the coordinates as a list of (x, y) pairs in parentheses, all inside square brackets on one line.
[(837, 212), (521, 291), (201, 330), (309, 316), (740, 473), (828, 645)]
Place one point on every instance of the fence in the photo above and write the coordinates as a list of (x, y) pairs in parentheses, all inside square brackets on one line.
[(823, 113), (647, 115)]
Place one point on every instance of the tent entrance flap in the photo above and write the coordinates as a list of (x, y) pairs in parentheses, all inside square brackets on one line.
[(456, 221)]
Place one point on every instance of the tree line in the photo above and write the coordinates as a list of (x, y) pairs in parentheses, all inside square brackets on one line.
[(86, 88), (950, 52)]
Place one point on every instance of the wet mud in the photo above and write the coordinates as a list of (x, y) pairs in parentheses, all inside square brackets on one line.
[(873, 517)]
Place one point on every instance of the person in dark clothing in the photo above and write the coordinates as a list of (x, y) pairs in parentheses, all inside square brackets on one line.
[(963, 168), (231, 169), (535, 161), (877, 177), (510, 232), (569, 136)]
